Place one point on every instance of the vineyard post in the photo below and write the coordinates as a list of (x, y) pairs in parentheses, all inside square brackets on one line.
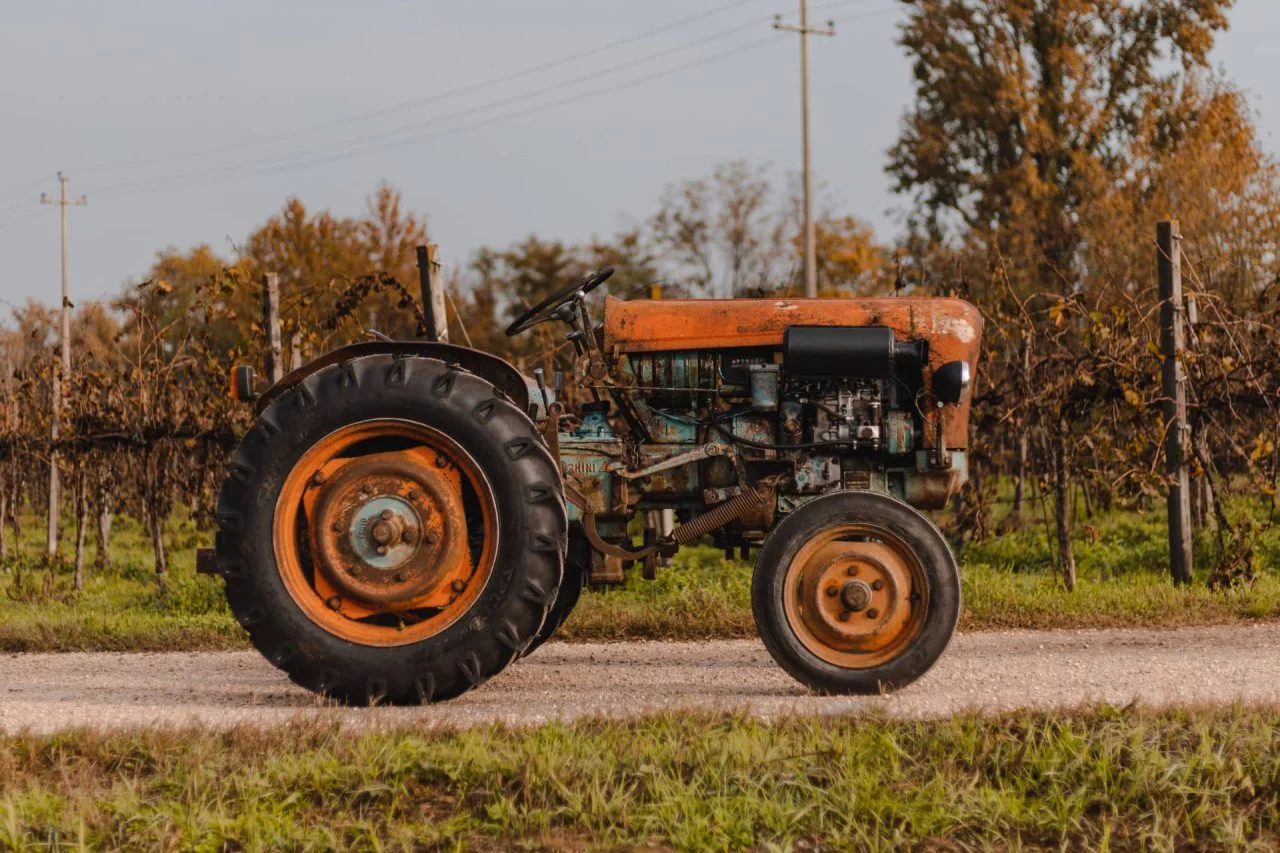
[(271, 326), (437, 322), (1174, 398)]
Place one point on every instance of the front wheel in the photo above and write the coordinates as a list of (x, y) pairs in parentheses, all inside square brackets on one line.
[(856, 593)]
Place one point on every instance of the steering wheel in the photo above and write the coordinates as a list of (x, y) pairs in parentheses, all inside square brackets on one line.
[(549, 307)]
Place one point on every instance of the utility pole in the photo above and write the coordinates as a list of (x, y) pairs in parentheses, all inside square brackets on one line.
[(55, 495), (810, 237)]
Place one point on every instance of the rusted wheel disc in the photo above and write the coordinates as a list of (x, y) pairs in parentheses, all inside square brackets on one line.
[(384, 532), (855, 595)]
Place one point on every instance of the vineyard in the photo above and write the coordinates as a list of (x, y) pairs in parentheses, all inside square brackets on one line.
[(1032, 184), (1068, 422)]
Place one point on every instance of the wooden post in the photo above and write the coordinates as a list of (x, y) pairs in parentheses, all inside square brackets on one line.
[(432, 294), (271, 326), (1174, 398), (55, 485)]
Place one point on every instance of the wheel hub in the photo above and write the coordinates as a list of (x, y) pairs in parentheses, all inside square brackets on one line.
[(856, 595), (852, 597), (390, 528)]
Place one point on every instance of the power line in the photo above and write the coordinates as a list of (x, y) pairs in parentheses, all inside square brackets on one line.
[(427, 122), (476, 124), (267, 166), (30, 186), (429, 99), (19, 220)]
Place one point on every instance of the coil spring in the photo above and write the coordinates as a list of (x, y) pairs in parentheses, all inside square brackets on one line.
[(730, 510)]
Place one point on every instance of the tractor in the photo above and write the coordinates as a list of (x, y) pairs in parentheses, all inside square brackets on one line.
[(407, 518)]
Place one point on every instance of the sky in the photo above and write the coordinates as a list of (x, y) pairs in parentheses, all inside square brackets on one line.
[(190, 122)]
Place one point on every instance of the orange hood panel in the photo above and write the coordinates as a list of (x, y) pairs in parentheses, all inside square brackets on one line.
[(952, 327)]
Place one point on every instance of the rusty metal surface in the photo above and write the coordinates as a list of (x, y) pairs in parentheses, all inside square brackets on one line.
[(389, 531), (855, 596), (952, 327)]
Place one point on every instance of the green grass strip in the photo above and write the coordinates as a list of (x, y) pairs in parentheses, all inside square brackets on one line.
[(1097, 779)]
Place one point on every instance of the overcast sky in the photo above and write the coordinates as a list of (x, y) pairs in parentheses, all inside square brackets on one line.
[(190, 122)]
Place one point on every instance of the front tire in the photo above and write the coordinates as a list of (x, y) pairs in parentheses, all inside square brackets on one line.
[(391, 530), (856, 593)]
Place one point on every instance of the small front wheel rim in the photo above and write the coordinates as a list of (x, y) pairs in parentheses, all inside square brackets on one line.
[(385, 533), (855, 595)]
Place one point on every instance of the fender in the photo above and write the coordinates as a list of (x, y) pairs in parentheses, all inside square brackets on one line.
[(496, 370)]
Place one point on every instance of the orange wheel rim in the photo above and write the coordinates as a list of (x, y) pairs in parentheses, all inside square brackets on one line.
[(855, 595), (385, 532)]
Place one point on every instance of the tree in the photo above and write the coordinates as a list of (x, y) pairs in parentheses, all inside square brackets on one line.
[(850, 261), (725, 235), (1026, 114)]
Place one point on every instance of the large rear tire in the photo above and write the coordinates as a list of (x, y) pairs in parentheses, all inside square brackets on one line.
[(391, 530), (856, 593), (576, 570)]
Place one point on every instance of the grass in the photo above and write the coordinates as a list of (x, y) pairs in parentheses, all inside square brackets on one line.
[(1008, 584), (1099, 778)]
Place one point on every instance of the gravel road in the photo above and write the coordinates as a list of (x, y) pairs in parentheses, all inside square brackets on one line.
[(987, 672)]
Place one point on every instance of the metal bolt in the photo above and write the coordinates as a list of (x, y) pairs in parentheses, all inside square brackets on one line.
[(408, 534), (441, 460), (832, 592), (877, 585), (333, 603), (414, 494), (317, 478), (353, 571), (844, 615), (337, 527), (365, 491), (872, 613), (853, 571), (401, 577), (386, 514), (459, 586), (382, 550), (432, 538)]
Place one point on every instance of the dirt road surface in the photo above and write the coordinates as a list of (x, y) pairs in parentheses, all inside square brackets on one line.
[(985, 672)]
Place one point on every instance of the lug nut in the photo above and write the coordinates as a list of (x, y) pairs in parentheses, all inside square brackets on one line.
[(872, 613), (877, 585), (414, 494), (459, 586), (336, 527), (432, 538), (441, 460), (832, 592), (386, 514), (333, 603), (365, 491), (382, 550), (317, 478), (401, 577), (407, 534), (853, 571), (844, 615), (353, 571)]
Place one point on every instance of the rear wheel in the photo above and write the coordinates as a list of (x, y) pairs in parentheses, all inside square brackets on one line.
[(392, 530), (856, 592), (576, 569)]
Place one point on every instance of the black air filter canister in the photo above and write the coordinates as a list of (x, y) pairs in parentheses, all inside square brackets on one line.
[(865, 352)]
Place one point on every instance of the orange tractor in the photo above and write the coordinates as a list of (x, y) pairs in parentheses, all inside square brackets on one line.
[(405, 519)]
